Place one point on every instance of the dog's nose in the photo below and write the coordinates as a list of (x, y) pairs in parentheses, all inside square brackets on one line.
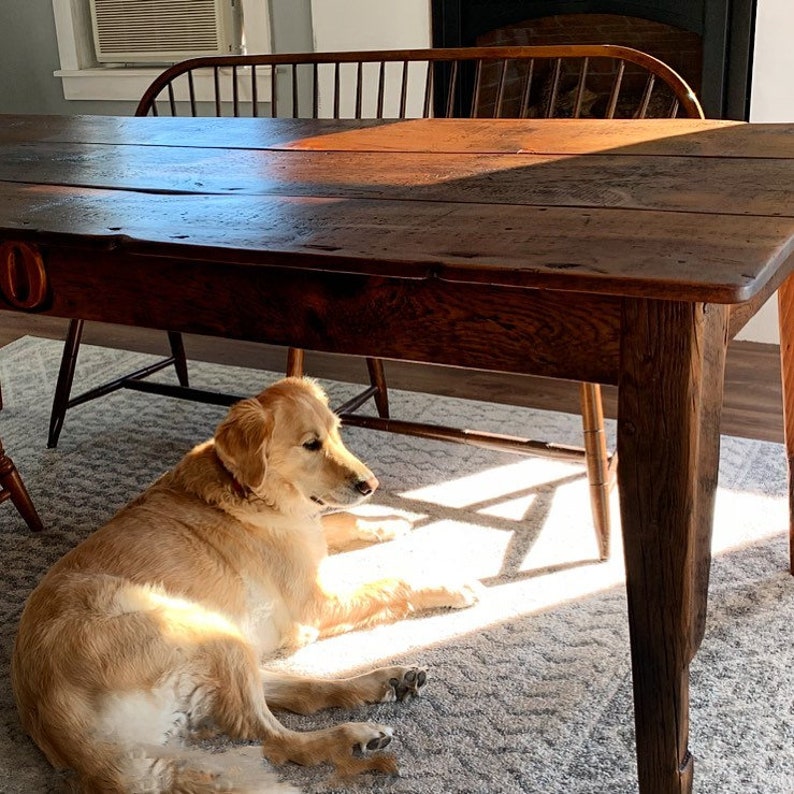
[(366, 487)]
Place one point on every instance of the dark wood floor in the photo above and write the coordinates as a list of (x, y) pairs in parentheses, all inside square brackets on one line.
[(752, 405)]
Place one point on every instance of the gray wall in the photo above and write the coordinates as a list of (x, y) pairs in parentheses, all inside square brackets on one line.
[(29, 56)]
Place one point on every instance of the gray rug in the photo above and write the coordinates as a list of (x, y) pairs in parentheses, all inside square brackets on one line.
[(531, 689)]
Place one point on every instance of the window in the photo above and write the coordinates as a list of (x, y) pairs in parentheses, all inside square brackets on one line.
[(84, 78)]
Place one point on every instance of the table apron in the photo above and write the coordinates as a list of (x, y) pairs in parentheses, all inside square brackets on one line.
[(480, 326)]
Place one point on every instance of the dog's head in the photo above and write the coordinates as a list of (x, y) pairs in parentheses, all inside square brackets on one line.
[(284, 445)]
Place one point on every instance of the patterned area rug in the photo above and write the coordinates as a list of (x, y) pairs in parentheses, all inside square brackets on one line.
[(530, 690)]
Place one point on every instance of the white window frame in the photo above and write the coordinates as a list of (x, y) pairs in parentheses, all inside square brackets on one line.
[(84, 78)]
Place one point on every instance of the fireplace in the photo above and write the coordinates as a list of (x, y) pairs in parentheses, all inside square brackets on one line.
[(709, 42)]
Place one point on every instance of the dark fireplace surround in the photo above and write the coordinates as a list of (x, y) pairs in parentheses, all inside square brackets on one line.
[(708, 41)]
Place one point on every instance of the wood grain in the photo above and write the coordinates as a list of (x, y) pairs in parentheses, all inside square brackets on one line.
[(714, 227), (717, 185), (667, 484), (691, 138), (720, 258), (409, 319)]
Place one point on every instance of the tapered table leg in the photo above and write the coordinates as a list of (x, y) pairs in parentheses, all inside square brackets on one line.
[(669, 400)]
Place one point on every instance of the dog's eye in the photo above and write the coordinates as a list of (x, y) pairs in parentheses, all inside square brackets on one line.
[(314, 445)]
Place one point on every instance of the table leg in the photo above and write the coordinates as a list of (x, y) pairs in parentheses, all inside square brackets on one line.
[(785, 300), (669, 402)]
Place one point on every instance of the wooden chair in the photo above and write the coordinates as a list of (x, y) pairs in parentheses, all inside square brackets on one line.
[(561, 81), (12, 487)]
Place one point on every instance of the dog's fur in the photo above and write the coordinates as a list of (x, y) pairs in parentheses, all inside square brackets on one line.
[(156, 624)]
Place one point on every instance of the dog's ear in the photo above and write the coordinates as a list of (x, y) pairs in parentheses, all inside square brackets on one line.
[(241, 441)]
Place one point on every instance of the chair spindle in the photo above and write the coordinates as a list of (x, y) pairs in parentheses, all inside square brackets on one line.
[(254, 92), (427, 104), (500, 91), (315, 90), (551, 105), (453, 84), (403, 89), (580, 86), (646, 97), (526, 90), (235, 93), (612, 105), (381, 89), (359, 87)]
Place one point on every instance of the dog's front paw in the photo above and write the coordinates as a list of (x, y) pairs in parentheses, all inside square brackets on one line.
[(452, 596), (464, 595), (346, 531), (396, 683), (380, 530), (406, 683)]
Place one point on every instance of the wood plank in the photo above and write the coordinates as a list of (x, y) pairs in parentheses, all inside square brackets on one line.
[(663, 137), (674, 255), (256, 133), (631, 182), (679, 137), (687, 137)]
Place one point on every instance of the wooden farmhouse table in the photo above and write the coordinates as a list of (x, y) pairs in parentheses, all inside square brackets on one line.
[(618, 252)]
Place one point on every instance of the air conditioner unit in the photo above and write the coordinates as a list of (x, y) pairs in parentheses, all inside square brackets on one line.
[(165, 31)]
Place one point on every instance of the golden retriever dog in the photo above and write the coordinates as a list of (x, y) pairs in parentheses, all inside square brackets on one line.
[(155, 626)]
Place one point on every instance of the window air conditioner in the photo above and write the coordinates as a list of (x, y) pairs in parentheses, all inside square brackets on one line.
[(164, 31)]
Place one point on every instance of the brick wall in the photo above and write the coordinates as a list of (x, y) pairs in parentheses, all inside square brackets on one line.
[(680, 49)]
